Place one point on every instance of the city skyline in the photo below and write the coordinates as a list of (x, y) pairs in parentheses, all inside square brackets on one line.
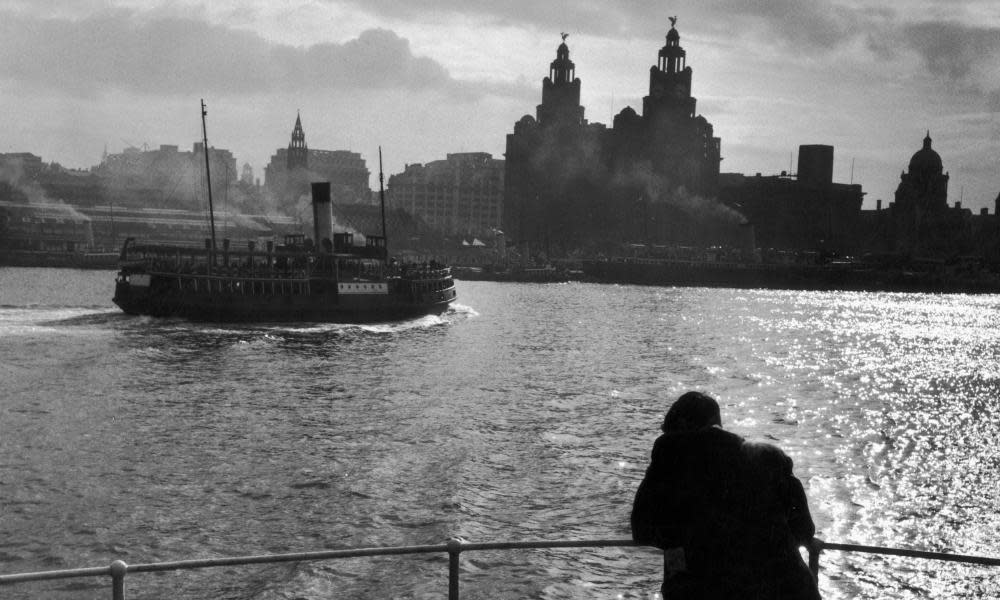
[(431, 78)]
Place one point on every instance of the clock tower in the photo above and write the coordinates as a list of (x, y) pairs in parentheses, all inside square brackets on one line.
[(670, 80), (561, 92)]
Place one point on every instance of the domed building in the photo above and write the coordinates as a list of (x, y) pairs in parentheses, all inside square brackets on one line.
[(925, 185), (924, 224)]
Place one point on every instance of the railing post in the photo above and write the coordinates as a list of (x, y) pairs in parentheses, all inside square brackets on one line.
[(454, 549), (815, 546), (118, 570)]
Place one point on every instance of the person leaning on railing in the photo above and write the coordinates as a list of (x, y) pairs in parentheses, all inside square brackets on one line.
[(729, 514)]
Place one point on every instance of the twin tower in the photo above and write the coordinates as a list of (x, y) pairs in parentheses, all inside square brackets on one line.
[(570, 182)]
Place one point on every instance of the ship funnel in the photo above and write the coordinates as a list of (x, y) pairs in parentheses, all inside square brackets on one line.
[(322, 213)]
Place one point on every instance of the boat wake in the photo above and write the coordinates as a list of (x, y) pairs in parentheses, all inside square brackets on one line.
[(104, 317), (14, 318), (461, 310)]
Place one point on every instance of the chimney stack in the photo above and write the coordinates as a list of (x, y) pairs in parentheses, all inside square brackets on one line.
[(322, 212)]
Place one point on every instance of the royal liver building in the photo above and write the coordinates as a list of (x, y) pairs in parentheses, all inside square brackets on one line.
[(573, 186)]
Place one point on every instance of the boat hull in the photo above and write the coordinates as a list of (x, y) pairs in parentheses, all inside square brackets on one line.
[(303, 305)]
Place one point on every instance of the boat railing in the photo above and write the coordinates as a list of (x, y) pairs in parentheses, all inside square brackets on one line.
[(417, 272), (453, 548)]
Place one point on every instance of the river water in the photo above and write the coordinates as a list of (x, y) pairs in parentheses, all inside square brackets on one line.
[(526, 412)]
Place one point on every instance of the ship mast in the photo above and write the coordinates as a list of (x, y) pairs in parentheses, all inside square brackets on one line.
[(208, 175), (381, 197)]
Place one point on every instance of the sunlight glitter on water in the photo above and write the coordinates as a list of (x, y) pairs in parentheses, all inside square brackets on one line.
[(528, 411)]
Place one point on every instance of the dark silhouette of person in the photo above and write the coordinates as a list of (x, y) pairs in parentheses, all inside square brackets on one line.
[(728, 513)]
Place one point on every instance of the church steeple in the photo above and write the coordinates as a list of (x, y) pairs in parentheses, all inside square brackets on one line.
[(298, 152)]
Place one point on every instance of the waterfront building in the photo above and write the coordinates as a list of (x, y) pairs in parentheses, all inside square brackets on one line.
[(111, 224), (678, 145), (44, 227), (571, 185), (15, 165), (921, 225), (291, 170), (554, 166), (924, 225), (801, 211), (461, 195), (167, 176)]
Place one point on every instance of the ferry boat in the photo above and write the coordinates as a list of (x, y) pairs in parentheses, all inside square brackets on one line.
[(295, 281), (330, 280)]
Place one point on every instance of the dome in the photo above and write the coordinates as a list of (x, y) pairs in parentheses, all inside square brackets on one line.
[(672, 35), (926, 160)]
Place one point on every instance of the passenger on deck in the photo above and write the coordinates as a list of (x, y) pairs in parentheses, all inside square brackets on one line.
[(733, 507)]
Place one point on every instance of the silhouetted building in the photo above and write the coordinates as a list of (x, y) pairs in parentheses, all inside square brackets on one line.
[(291, 170), (924, 224), (804, 212), (679, 145), (462, 195), (166, 176), (15, 165), (554, 166), (571, 185), (25, 178), (920, 225)]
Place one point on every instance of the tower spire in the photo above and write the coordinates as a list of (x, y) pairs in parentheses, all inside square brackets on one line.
[(298, 152)]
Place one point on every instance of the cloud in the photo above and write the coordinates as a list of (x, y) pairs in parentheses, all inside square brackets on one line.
[(592, 16), (804, 24), (182, 56), (812, 23), (953, 50), (964, 57)]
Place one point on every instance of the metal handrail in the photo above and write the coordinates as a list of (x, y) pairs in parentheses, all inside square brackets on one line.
[(453, 547), (963, 558)]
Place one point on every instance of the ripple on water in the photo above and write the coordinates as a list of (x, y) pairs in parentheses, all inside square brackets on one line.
[(525, 412)]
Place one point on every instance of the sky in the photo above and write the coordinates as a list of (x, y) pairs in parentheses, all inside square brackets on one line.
[(424, 78)]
